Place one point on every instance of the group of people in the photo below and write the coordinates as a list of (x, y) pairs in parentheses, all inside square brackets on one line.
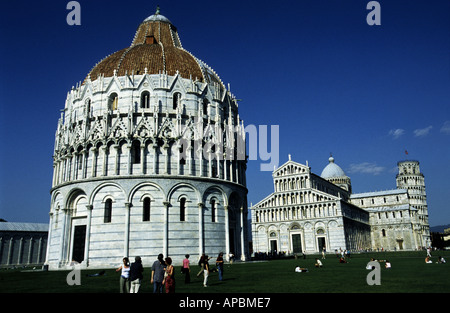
[(163, 273), (131, 275), (440, 260), (206, 269)]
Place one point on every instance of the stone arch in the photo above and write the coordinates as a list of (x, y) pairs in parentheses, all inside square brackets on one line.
[(142, 185), (72, 197), (103, 185), (180, 185)]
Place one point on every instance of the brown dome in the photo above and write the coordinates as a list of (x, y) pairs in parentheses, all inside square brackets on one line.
[(156, 48)]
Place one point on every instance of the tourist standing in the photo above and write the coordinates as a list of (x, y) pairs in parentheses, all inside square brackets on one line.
[(201, 263), (219, 264), (205, 271), (169, 276), (124, 275), (186, 270), (158, 274), (136, 270)]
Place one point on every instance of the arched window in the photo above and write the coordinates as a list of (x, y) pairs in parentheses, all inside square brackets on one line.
[(182, 209), (205, 106), (146, 210), (113, 101), (136, 152), (108, 211), (176, 100), (213, 210), (145, 100), (383, 233)]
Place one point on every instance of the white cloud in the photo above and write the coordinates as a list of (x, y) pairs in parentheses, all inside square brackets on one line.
[(396, 133), (446, 128), (423, 131), (366, 168)]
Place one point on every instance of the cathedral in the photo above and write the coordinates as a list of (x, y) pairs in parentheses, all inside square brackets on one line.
[(308, 213), (148, 159)]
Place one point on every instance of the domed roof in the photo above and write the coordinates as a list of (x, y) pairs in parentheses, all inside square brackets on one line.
[(332, 170), (155, 49)]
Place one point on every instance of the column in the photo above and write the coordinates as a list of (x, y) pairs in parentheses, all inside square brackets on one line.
[(19, 254), (62, 238), (191, 160), (243, 248), (227, 234), (74, 167), (178, 147), (209, 162), (11, 241), (39, 250), (166, 162), (49, 236), (166, 229), (30, 250), (89, 208), (201, 246), (200, 159), (55, 173), (84, 164), (116, 163), (143, 159), (128, 146), (94, 162), (155, 156), (105, 159), (126, 243)]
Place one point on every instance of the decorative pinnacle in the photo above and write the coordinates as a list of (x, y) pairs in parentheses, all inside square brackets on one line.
[(157, 10)]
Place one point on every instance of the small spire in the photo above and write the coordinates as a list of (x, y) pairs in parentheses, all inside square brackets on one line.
[(157, 10)]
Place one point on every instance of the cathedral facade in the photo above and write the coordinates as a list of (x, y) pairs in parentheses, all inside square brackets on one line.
[(309, 213), (148, 159)]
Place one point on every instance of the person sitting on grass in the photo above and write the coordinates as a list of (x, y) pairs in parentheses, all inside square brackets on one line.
[(427, 260), (299, 269), (318, 263), (388, 264), (342, 260)]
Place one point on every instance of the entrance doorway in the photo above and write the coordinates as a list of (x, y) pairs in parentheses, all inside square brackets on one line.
[(296, 243), (320, 243), (273, 246), (79, 240)]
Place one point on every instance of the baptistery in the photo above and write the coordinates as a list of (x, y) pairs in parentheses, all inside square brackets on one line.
[(149, 158)]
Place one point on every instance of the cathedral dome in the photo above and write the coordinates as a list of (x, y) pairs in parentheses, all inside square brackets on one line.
[(332, 170), (155, 49)]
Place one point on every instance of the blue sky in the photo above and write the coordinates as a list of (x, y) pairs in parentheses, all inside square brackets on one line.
[(315, 68)]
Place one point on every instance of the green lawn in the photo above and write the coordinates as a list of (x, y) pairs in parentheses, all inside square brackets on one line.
[(409, 274)]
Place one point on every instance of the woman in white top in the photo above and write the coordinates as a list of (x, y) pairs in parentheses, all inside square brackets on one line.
[(124, 276)]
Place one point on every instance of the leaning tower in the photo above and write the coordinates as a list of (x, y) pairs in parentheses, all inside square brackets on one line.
[(149, 158), (410, 178)]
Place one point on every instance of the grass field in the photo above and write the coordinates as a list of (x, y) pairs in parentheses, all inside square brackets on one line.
[(409, 274)]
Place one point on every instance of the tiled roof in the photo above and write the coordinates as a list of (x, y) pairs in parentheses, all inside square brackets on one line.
[(29, 227), (378, 193), (157, 48)]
